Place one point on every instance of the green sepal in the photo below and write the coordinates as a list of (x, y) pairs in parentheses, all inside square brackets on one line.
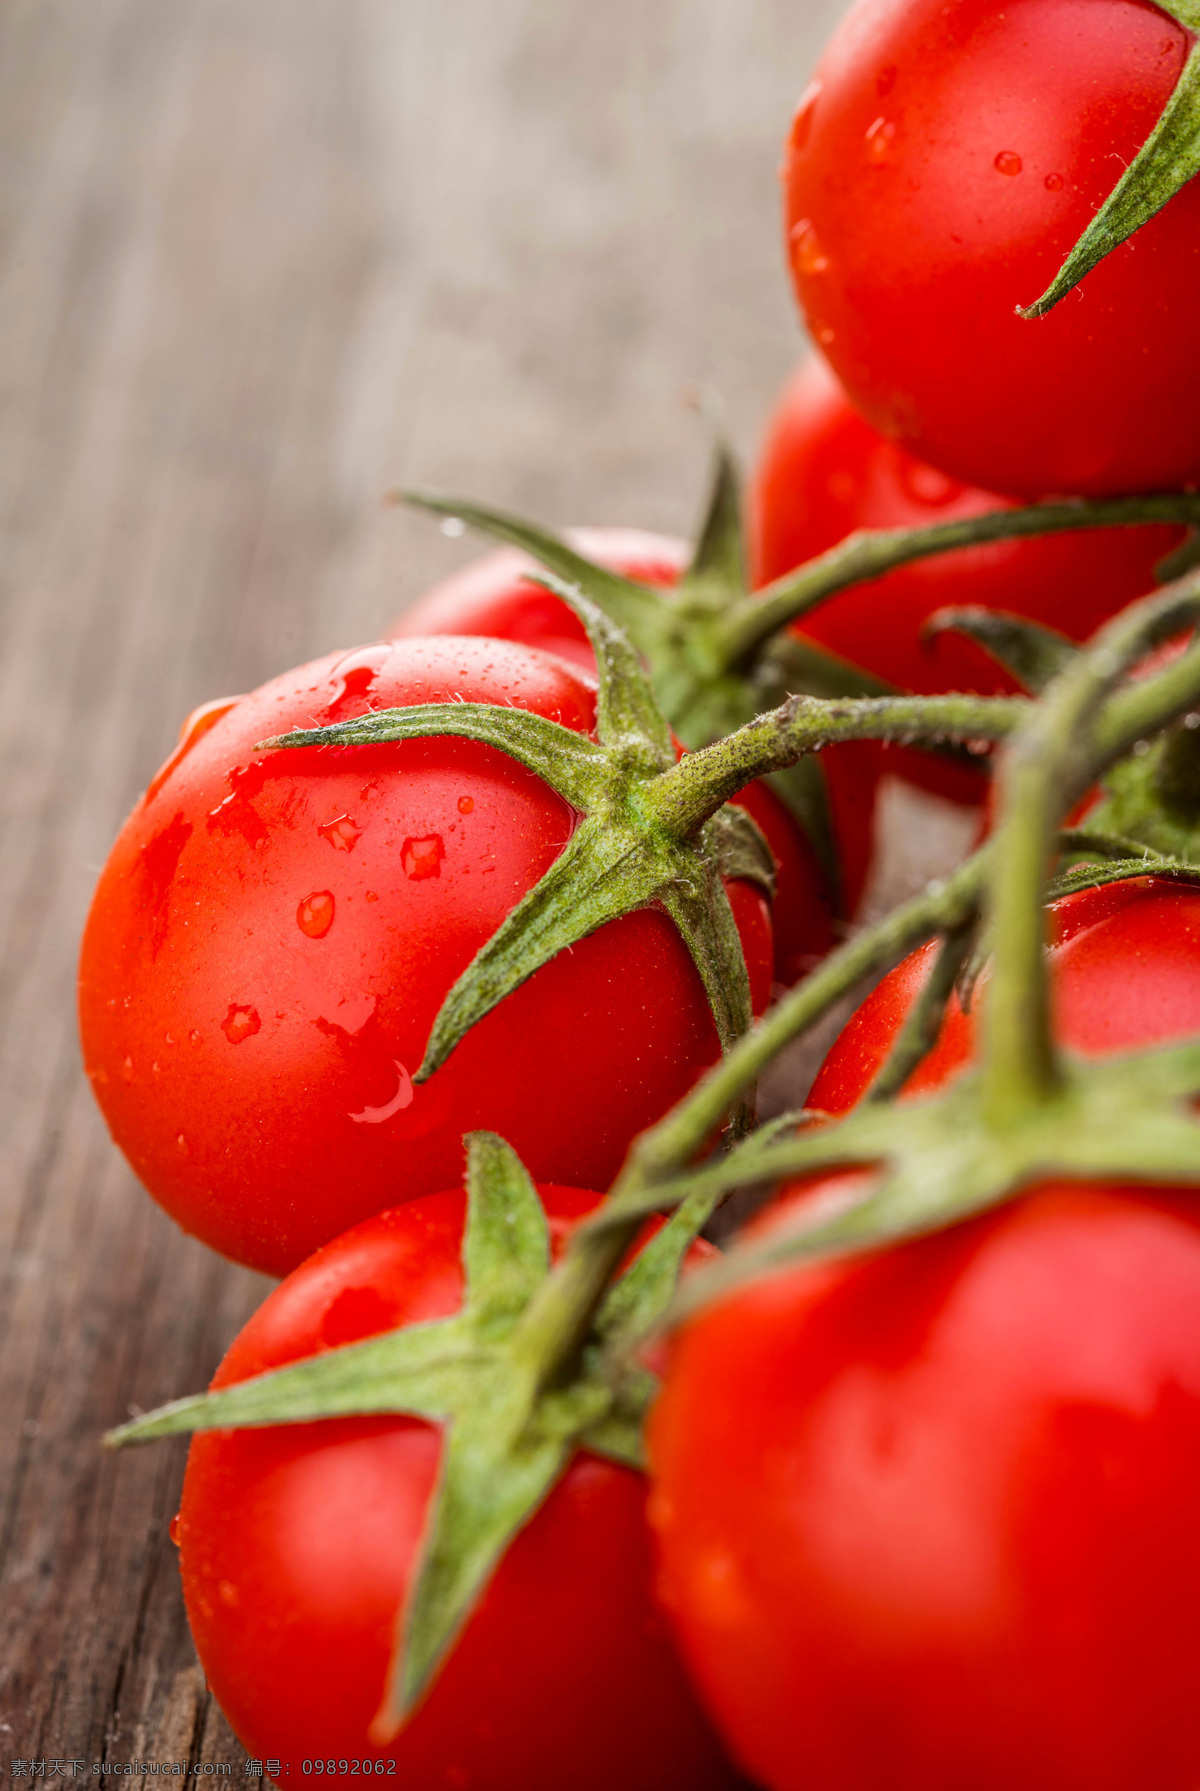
[(1153, 797), (568, 761), (632, 606), (421, 1371), (1034, 654), (496, 1470), (740, 849), (718, 567), (1169, 158), (506, 1243)]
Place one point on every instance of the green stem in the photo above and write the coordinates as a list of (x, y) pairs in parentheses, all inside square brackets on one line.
[(683, 798), (871, 554)]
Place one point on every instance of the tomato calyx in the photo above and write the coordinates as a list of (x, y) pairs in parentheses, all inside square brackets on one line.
[(654, 829), (619, 858), (514, 1413), (1168, 159)]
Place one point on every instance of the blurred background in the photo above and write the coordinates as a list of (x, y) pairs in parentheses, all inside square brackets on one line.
[(259, 261)]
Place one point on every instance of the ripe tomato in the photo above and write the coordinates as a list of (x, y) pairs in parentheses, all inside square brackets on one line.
[(824, 472), (273, 935), (941, 165), (298, 1543), (492, 596), (1125, 971), (926, 1518)]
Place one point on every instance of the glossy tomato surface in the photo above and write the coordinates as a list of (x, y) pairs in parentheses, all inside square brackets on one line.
[(941, 165), (825, 472), (491, 596), (1125, 972), (926, 1519), (274, 933), (298, 1544)]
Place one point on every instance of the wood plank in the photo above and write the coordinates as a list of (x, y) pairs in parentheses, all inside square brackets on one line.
[(259, 261)]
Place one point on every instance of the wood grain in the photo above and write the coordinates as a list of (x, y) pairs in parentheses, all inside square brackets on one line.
[(258, 261)]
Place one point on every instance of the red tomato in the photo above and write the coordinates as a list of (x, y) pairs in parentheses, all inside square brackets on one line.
[(298, 1543), (824, 472), (490, 596), (941, 166), (927, 1519), (1125, 971), (273, 935)]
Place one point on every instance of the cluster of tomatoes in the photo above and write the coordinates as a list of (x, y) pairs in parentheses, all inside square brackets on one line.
[(923, 1518)]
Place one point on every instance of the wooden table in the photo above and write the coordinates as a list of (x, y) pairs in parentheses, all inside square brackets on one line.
[(260, 259)]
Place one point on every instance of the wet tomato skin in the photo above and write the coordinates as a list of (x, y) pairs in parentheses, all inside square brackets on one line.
[(925, 1518), (274, 933), (492, 595), (1125, 972), (941, 165), (825, 472), (297, 1545)]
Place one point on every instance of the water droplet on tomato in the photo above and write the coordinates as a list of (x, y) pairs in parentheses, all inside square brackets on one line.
[(403, 1097), (236, 813), (1054, 183), (466, 804), (885, 80), (240, 1023), (194, 1036), (880, 137), (314, 916), (228, 1593), (423, 858), (808, 257), (173, 1529), (825, 336), (927, 485), (182, 1146), (127, 1070), (194, 728), (1008, 162), (370, 896), (803, 118), (343, 833), (355, 673)]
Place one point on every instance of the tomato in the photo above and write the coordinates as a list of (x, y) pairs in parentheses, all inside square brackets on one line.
[(298, 1544), (942, 164), (824, 473), (926, 1518), (492, 596), (1125, 971), (273, 935)]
